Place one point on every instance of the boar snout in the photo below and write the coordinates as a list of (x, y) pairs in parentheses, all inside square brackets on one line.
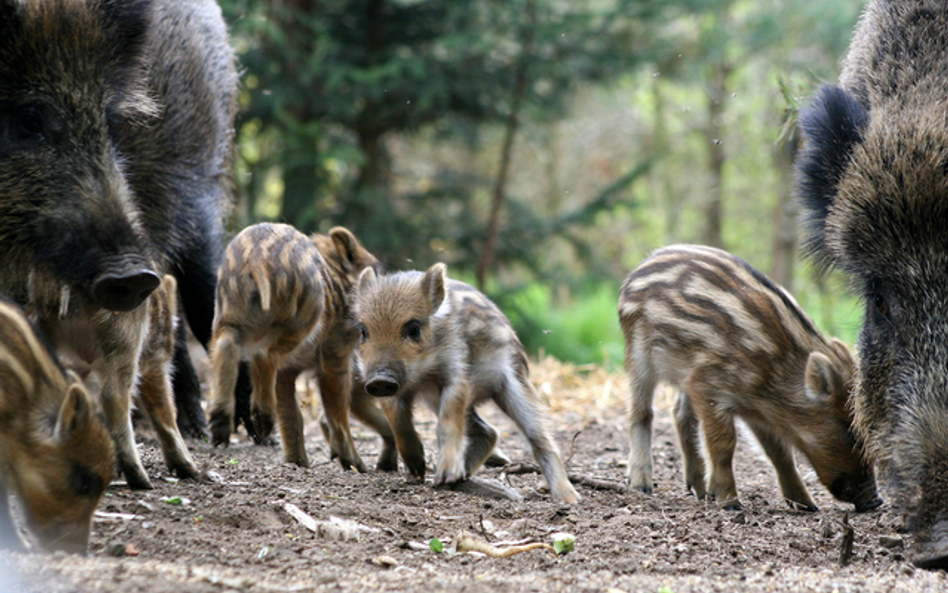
[(124, 287), (382, 383)]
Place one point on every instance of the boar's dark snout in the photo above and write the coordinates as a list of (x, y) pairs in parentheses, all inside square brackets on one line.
[(125, 287), (382, 385)]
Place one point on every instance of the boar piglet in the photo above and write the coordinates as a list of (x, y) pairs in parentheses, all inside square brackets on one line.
[(424, 334), (282, 304), (55, 453), (736, 345), (873, 179), (131, 356)]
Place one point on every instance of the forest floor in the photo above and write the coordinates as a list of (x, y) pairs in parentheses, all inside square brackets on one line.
[(373, 531)]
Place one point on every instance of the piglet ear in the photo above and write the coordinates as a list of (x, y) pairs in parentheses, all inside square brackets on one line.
[(434, 285), (823, 381), (367, 280), (75, 413)]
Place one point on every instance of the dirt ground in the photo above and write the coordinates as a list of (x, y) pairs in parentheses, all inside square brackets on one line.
[(373, 530)]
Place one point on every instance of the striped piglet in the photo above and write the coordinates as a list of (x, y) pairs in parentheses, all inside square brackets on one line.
[(736, 345)]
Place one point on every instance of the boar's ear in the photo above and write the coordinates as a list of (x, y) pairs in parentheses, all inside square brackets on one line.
[(75, 413), (434, 285), (822, 379), (832, 124), (366, 281)]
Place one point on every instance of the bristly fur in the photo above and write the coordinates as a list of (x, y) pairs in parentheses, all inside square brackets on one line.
[(831, 124), (881, 218)]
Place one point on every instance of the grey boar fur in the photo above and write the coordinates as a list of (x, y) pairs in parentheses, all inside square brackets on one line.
[(873, 180), (116, 126)]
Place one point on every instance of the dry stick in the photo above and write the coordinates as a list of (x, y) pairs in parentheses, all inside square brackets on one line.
[(572, 447), (522, 467), (846, 544), (465, 542)]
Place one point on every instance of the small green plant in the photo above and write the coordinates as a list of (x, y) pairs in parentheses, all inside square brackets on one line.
[(435, 545), (232, 461), (563, 542)]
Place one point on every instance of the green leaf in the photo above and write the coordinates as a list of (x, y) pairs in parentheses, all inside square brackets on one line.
[(563, 542), (175, 500), (435, 544)]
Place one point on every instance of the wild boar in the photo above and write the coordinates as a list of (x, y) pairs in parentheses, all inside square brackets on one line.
[(425, 334), (55, 454), (116, 144), (736, 345), (873, 182), (282, 303)]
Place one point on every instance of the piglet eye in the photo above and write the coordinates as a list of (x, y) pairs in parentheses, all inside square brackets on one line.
[(412, 330), (363, 333), (28, 123)]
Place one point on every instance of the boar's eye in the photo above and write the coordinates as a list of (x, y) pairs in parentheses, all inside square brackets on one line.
[(363, 333), (27, 123), (412, 330), (880, 305)]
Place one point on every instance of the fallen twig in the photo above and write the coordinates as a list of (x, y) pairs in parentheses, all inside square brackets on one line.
[(846, 544), (597, 484), (467, 542)]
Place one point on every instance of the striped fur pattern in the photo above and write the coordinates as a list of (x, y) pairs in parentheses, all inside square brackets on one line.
[(55, 453), (269, 303), (426, 335), (128, 357), (737, 345), (305, 282)]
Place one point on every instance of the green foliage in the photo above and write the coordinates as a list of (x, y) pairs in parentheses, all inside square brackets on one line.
[(583, 328), (435, 544)]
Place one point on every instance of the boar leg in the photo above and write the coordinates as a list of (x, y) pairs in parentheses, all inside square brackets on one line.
[(263, 369), (481, 439), (398, 410), (364, 409), (155, 393), (290, 418), (686, 423), (720, 438), (335, 384), (187, 389), (452, 419), (641, 391), (225, 357), (791, 485), (120, 337), (519, 400)]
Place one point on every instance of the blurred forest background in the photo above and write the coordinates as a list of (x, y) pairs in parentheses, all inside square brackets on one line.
[(542, 148)]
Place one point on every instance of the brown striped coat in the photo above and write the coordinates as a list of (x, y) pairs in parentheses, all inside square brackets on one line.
[(736, 345), (55, 453)]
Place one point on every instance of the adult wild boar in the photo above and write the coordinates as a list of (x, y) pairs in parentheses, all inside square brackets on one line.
[(873, 178), (116, 122)]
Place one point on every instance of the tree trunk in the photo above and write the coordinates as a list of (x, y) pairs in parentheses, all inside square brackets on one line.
[(717, 89), (513, 123), (785, 214)]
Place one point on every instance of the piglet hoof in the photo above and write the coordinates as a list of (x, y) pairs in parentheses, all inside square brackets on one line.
[(387, 461), (354, 465), (263, 429), (447, 477), (870, 505), (186, 471), (497, 458), (732, 505), (802, 506), (136, 478), (220, 429)]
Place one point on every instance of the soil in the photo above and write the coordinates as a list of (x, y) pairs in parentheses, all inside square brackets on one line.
[(374, 531)]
